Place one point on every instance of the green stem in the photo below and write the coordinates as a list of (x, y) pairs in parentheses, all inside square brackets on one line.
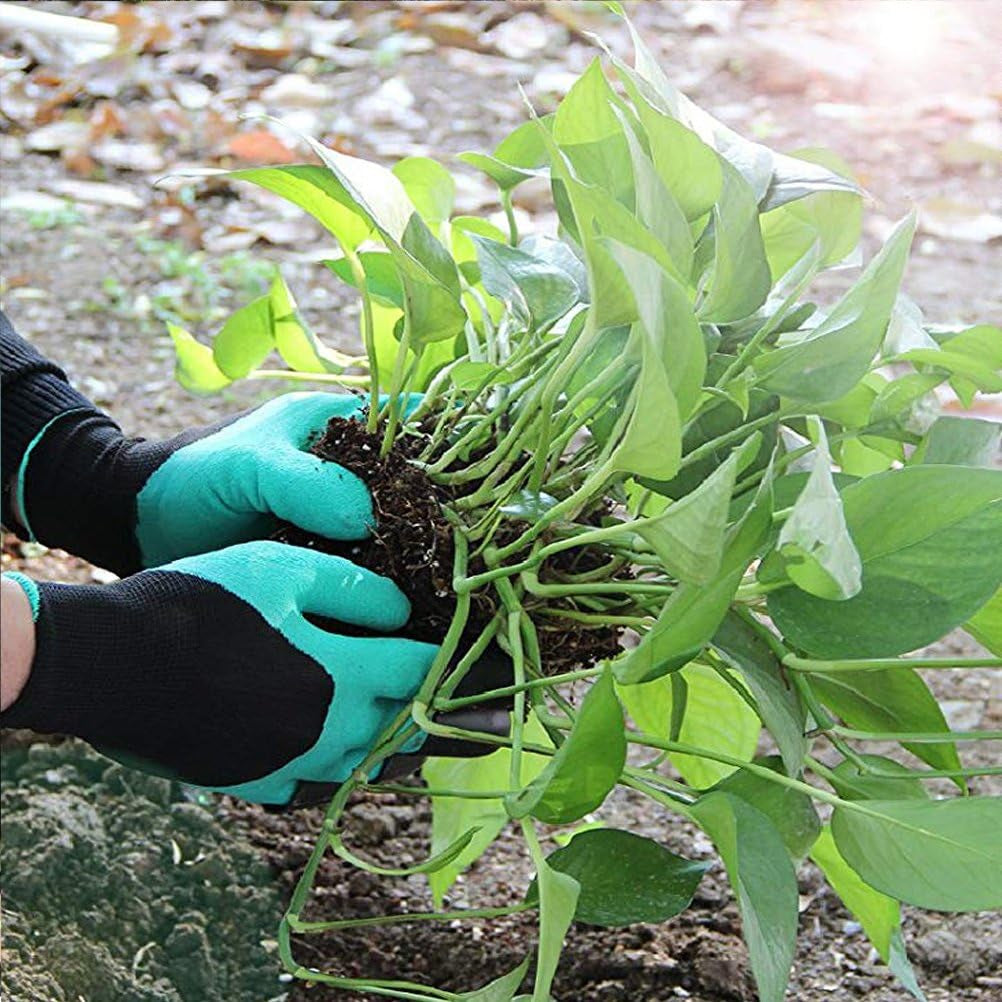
[(810, 665), (434, 791), (396, 387), (735, 434), (445, 705), (447, 916), (368, 336), (509, 212), (917, 737), (340, 379), (456, 627)]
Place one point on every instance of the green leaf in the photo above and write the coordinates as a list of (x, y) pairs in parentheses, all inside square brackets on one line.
[(853, 783), (692, 613), (558, 896), (382, 279), (888, 699), (586, 766), (814, 547), (791, 812), (986, 624), (738, 280), (557, 254), (778, 705), (752, 160), (688, 536), (587, 212), (502, 989), (651, 445), (656, 206), (667, 321), (590, 135), (194, 367), (625, 878), (537, 293), (929, 538), (452, 816), (429, 186), (945, 855), (959, 441), (372, 190), (878, 914), (521, 155), (764, 882), (296, 343), (246, 340), (316, 190), (835, 355), (830, 219), (805, 173), (427, 272), (689, 168), (715, 717), (974, 354)]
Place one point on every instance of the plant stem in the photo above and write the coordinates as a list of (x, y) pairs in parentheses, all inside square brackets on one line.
[(742, 432), (434, 791), (448, 916), (509, 212), (810, 665), (368, 336), (396, 387), (341, 379), (445, 705), (917, 737)]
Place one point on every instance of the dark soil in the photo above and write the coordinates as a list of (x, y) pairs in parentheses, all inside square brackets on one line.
[(118, 888), (412, 544)]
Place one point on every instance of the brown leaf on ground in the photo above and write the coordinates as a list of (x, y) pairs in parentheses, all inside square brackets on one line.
[(260, 146)]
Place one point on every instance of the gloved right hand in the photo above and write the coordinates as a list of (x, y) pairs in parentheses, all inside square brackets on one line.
[(208, 669)]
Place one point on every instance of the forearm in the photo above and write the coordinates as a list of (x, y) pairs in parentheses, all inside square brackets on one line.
[(17, 647)]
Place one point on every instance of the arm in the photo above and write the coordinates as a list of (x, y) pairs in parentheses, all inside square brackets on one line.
[(17, 640)]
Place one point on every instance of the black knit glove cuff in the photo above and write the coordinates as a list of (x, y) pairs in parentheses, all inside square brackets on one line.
[(79, 488)]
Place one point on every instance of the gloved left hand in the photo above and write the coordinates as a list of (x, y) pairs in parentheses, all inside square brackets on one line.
[(127, 504), (209, 670)]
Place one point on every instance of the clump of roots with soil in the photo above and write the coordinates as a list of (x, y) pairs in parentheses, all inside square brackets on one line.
[(412, 544)]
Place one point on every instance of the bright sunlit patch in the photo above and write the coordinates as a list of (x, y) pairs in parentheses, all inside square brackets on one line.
[(906, 31)]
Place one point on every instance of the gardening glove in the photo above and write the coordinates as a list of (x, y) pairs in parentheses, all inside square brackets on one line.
[(76, 482), (209, 670)]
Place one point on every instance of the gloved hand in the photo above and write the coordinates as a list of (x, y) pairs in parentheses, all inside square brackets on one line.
[(127, 504), (209, 669)]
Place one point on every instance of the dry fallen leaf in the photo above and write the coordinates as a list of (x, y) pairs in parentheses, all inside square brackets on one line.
[(520, 37), (260, 146), (127, 155), (97, 193), (952, 220), (296, 90), (58, 136)]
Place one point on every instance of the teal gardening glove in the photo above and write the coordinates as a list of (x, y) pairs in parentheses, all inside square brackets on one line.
[(209, 669), (128, 504)]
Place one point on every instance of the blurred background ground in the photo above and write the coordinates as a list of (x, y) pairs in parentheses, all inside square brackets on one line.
[(117, 887)]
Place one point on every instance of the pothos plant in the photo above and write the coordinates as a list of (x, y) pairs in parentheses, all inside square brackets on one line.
[(704, 516)]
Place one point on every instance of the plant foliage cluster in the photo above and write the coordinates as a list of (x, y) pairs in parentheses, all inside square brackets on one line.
[(795, 514)]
